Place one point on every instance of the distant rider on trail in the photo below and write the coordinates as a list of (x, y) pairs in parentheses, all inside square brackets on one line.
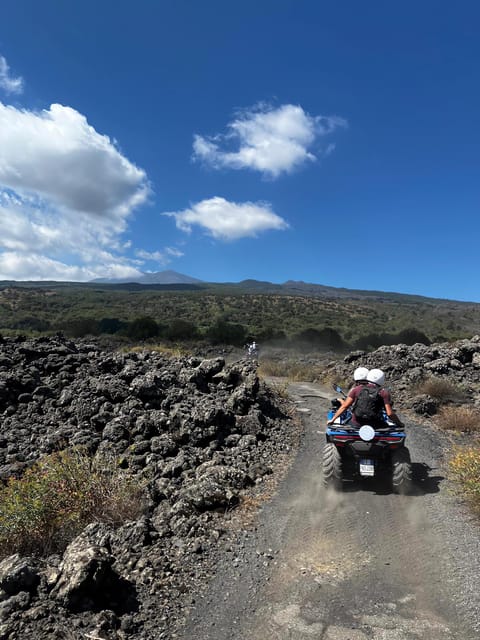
[(252, 350)]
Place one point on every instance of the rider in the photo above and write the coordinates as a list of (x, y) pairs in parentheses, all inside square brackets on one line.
[(360, 376), (375, 379)]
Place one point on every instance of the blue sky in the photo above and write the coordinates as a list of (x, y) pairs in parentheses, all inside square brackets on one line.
[(335, 143)]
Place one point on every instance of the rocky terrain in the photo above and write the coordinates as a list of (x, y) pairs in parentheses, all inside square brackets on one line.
[(203, 436), (199, 433), (406, 367)]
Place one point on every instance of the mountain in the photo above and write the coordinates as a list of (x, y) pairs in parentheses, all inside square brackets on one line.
[(308, 289), (158, 277), (172, 280)]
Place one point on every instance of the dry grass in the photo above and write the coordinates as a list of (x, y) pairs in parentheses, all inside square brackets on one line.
[(294, 371), (171, 351), (441, 389), (279, 388), (465, 468), (329, 380), (463, 419)]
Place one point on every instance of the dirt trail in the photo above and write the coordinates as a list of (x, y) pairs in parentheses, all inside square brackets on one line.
[(362, 564)]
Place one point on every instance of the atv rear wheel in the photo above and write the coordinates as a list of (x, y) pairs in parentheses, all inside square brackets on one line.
[(401, 470), (332, 466)]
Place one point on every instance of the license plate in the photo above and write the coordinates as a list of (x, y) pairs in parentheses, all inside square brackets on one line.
[(367, 468)]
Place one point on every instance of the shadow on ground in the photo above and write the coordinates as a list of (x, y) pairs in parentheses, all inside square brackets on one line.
[(423, 482)]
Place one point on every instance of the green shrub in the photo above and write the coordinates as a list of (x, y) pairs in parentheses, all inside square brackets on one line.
[(408, 336), (32, 324), (80, 327), (111, 325), (411, 336), (369, 342), (223, 332), (42, 511), (142, 329), (181, 330), (269, 334)]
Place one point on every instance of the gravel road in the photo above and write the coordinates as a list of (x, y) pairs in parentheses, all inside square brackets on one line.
[(360, 564)]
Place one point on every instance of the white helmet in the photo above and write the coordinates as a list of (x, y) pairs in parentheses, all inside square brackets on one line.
[(360, 373), (376, 376)]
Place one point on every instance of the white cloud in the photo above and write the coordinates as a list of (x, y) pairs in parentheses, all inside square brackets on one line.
[(7, 82), (226, 220), (20, 266), (269, 140), (57, 155), (162, 257), (66, 194), (173, 252)]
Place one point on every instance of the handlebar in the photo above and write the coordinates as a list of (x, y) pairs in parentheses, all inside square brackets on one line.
[(339, 389)]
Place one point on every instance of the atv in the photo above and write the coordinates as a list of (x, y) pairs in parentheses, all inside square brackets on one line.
[(365, 452)]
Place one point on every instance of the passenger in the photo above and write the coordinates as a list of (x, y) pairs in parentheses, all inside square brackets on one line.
[(375, 405)]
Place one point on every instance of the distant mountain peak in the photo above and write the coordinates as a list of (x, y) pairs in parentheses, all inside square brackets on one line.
[(158, 277)]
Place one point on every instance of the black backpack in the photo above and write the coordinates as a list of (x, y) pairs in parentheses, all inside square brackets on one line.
[(369, 406)]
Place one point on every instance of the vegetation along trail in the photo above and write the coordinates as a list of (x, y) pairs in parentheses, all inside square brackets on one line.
[(360, 564)]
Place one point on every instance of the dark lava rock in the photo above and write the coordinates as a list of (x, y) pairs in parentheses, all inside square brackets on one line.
[(406, 367), (425, 405), (195, 432), (87, 581), (18, 574)]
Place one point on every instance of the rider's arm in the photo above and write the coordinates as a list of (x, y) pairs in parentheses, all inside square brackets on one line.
[(345, 404), (392, 415), (387, 401)]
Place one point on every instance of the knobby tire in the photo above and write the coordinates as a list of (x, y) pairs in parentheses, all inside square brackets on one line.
[(332, 466)]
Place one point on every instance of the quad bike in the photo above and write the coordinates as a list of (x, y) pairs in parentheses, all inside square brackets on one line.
[(365, 451), (251, 351)]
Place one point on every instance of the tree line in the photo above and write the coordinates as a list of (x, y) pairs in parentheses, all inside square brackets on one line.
[(220, 331)]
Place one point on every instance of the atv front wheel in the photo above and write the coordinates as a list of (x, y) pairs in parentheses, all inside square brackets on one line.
[(332, 466), (401, 470)]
